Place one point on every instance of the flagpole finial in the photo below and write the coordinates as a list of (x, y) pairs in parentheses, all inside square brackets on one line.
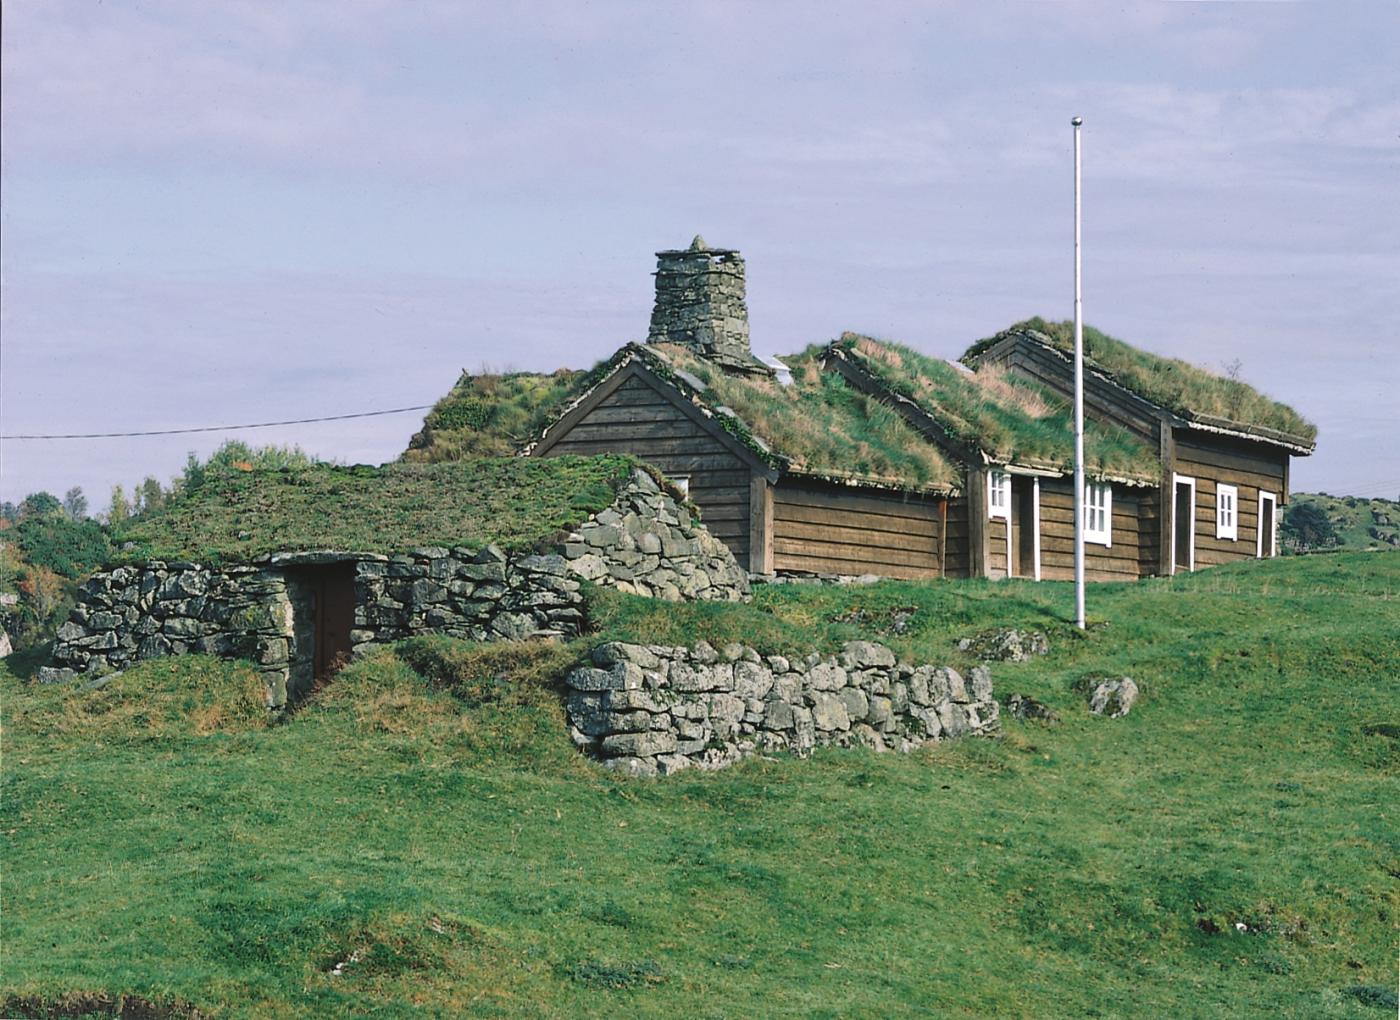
[(1077, 121)]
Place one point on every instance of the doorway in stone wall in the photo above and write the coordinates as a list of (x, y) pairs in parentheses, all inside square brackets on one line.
[(323, 614)]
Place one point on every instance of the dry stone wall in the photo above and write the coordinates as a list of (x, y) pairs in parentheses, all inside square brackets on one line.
[(649, 709), (645, 542)]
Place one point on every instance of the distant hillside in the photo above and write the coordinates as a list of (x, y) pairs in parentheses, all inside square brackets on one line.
[(1315, 520)]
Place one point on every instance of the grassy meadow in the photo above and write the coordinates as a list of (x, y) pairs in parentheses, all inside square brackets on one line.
[(420, 839)]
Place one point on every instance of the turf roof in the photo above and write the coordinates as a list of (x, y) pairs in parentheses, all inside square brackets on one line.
[(514, 502), (1179, 386), (817, 426), (1011, 419), (492, 415)]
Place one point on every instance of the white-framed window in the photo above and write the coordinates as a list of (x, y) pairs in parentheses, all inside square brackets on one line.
[(1227, 512), (682, 482), (999, 495), (1098, 513)]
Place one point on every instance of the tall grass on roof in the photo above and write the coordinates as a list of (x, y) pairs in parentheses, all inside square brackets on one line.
[(821, 426), (492, 415), (1013, 420), (1175, 384)]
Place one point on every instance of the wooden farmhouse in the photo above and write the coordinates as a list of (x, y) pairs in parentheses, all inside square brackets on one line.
[(1223, 447), (867, 457)]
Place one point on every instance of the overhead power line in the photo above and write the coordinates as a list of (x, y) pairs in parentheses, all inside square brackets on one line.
[(219, 428)]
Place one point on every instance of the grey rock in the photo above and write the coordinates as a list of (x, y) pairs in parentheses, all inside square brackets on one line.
[(55, 675), (1113, 698), (828, 713), (867, 654), (1006, 644), (641, 745), (856, 703)]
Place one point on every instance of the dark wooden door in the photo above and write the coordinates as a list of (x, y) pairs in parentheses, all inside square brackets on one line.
[(1183, 521), (333, 590)]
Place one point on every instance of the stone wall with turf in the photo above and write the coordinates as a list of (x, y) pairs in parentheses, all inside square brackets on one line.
[(653, 709), (645, 542)]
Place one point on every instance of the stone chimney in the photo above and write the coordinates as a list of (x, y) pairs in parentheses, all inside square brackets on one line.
[(700, 304)]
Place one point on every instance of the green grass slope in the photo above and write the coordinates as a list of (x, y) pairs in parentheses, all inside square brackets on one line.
[(422, 840)]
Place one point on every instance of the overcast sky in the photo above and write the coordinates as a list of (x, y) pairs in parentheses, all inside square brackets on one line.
[(233, 212)]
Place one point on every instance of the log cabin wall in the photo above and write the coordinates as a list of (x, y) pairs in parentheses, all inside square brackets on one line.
[(1130, 530), (637, 418), (996, 547), (1250, 467), (834, 529)]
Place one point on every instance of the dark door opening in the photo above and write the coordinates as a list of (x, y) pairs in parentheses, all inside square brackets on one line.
[(323, 609), (1183, 524), (1023, 527), (1266, 527)]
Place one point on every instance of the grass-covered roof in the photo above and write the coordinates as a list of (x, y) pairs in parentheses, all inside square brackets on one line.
[(1009, 418), (817, 425), (1177, 385), (240, 516), (492, 415)]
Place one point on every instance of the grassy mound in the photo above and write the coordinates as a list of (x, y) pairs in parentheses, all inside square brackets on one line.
[(240, 516), (421, 839)]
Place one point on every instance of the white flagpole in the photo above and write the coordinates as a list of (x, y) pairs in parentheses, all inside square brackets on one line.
[(1078, 400)]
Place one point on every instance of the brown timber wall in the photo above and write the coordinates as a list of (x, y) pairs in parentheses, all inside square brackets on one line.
[(1247, 466), (833, 529), (637, 419), (996, 547), (1121, 561)]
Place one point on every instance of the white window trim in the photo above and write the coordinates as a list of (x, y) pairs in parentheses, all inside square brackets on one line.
[(1222, 529), (999, 480), (1259, 526), (1191, 531), (1102, 537), (1035, 524)]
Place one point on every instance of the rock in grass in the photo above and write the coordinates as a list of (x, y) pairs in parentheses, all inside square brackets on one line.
[(1020, 706), (54, 675), (1113, 698), (1006, 644)]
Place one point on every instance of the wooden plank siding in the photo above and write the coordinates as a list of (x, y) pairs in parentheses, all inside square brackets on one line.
[(1250, 467), (836, 530), (1121, 561), (638, 419), (996, 547)]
